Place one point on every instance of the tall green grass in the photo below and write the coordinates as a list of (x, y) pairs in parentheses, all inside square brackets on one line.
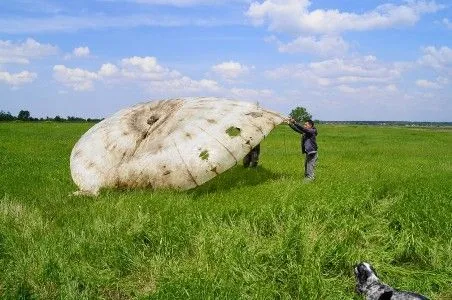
[(382, 195)]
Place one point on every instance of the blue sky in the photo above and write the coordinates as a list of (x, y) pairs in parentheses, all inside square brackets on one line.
[(342, 60)]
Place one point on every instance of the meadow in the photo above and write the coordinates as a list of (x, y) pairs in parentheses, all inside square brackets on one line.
[(382, 195)]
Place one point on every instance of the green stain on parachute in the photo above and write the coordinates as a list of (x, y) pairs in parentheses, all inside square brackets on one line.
[(233, 131), (204, 155)]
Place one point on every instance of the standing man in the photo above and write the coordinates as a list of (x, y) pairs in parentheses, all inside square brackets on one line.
[(308, 145), (252, 158)]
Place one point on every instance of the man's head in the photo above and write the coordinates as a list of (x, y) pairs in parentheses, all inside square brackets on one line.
[(309, 124)]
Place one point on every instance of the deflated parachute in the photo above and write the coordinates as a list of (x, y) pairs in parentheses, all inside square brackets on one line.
[(179, 143)]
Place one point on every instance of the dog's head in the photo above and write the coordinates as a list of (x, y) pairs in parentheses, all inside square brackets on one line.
[(370, 285), (365, 276)]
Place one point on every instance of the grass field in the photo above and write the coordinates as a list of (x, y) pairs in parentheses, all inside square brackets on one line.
[(382, 195)]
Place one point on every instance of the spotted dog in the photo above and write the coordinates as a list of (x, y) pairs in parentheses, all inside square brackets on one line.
[(369, 284)]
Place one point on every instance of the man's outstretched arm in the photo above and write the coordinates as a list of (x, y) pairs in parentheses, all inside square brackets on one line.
[(297, 127)]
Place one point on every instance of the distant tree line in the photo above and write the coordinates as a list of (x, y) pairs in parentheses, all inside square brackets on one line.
[(24, 115), (391, 123)]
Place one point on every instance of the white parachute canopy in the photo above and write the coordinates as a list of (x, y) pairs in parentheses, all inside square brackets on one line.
[(179, 143)]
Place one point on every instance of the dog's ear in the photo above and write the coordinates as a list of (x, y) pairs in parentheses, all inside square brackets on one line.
[(386, 295)]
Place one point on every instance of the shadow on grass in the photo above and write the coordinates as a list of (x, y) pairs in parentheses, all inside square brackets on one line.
[(233, 178), (236, 177)]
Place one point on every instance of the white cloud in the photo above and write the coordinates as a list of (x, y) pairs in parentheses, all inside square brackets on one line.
[(184, 86), (427, 84), (341, 72), (325, 45), (252, 94), (366, 89), (440, 82), (146, 68), (230, 70), (108, 70), (391, 88), (346, 89), (17, 78), (294, 16), (437, 58), (447, 23), (76, 78), (145, 71), (21, 53), (319, 30), (155, 78), (81, 52)]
